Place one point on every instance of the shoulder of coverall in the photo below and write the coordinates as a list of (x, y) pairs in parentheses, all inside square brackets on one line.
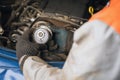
[(110, 15)]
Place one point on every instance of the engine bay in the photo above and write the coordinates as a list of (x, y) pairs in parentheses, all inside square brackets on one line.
[(54, 22)]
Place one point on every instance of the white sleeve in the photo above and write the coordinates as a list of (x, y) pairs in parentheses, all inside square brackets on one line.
[(94, 55)]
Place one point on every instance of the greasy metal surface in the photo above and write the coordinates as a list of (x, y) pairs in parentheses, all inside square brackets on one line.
[(56, 19)]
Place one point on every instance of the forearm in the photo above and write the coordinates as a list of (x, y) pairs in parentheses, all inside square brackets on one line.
[(35, 68)]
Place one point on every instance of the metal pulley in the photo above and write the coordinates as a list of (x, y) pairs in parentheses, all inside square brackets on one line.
[(42, 34)]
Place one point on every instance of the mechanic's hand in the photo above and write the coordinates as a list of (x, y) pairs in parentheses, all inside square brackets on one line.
[(26, 46)]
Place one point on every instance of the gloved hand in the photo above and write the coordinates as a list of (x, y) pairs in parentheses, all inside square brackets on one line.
[(26, 46)]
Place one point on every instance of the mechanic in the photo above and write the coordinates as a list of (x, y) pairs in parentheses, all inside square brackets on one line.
[(95, 53)]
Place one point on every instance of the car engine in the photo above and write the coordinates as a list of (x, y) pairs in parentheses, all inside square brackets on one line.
[(54, 22)]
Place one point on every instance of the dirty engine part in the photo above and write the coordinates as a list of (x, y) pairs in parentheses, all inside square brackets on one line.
[(54, 22)]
